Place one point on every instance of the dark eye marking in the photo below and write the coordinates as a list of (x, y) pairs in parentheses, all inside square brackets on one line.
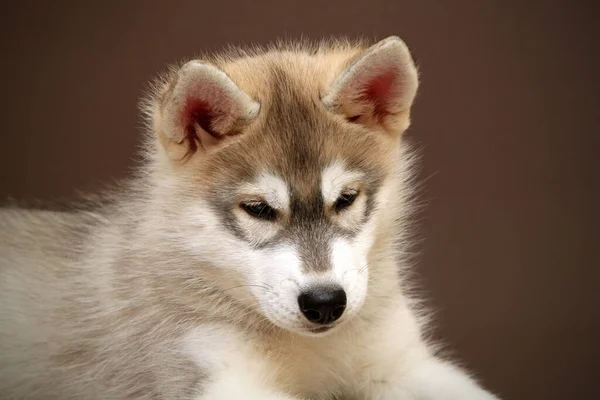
[(345, 200), (353, 118), (259, 210)]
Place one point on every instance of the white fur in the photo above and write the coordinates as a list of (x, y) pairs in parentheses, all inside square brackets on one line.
[(270, 187), (276, 280), (238, 371), (351, 268), (268, 278), (334, 179)]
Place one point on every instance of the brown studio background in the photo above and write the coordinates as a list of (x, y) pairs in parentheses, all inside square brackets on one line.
[(507, 116)]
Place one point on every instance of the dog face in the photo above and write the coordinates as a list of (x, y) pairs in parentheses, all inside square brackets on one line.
[(283, 164)]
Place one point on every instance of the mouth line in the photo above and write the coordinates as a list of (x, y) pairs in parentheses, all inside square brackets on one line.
[(321, 329)]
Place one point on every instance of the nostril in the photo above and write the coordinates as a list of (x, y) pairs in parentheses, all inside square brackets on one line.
[(323, 304), (312, 315), (337, 312)]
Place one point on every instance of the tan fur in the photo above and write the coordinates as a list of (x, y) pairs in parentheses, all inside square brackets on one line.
[(110, 300)]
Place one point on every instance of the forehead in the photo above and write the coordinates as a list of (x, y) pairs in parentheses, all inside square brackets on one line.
[(296, 139)]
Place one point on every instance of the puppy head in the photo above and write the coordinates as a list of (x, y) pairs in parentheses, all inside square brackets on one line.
[(278, 168)]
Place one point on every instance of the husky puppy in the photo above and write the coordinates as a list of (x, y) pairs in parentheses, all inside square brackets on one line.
[(259, 253)]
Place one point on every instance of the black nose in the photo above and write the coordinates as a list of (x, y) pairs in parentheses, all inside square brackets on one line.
[(323, 305)]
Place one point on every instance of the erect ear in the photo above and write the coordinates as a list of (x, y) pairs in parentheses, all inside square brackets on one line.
[(201, 107), (377, 88)]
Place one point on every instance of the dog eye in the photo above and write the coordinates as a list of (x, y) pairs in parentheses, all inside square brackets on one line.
[(345, 200), (259, 210)]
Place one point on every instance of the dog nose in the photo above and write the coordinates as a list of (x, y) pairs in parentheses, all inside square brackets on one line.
[(323, 305)]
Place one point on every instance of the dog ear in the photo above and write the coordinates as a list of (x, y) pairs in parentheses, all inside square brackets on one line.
[(201, 107), (377, 89)]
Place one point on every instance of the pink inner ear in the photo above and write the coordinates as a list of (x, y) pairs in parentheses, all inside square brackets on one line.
[(379, 91), (198, 111)]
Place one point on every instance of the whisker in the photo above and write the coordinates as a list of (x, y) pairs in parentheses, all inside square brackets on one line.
[(265, 287), (360, 270)]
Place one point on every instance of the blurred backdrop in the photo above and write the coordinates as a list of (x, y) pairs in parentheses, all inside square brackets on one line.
[(507, 116)]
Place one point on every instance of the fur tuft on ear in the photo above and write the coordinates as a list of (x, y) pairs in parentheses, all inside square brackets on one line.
[(202, 106), (378, 88)]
